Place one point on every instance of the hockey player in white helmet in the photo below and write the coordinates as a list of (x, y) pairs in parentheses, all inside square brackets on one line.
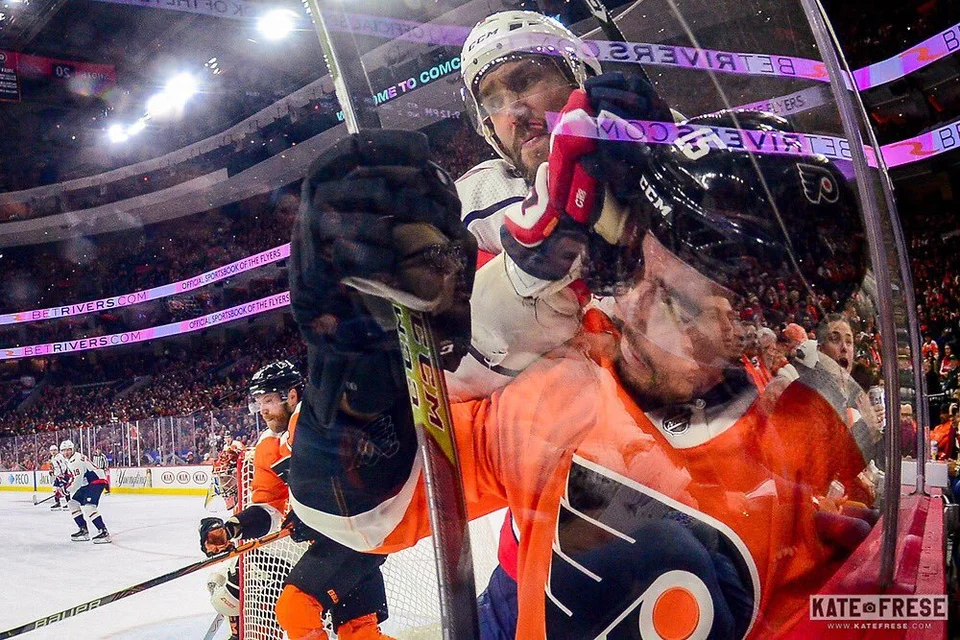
[(58, 476), (517, 68), (86, 486)]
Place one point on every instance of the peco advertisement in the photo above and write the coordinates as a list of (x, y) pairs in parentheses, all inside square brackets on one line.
[(156, 480)]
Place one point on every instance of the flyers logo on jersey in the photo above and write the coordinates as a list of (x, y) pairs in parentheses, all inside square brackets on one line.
[(629, 562), (818, 184)]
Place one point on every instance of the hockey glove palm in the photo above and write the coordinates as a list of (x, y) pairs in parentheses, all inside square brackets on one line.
[(376, 214)]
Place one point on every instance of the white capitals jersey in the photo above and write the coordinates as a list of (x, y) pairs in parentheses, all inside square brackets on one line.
[(509, 331), (486, 191), (58, 466), (82, 472)]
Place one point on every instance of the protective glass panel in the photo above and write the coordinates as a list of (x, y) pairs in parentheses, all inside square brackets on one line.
[(676, 382), (728, 368)]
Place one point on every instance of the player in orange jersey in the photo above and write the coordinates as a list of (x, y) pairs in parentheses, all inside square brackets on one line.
[(655, 490), (328, 577)]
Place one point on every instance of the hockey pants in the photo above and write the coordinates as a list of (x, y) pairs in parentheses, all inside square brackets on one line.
[(331, 577)]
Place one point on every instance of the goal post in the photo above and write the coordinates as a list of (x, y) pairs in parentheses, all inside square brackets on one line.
[(410, 576)]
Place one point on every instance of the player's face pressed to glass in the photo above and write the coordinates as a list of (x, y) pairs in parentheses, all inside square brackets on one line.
[(517, 96), (679, 330)]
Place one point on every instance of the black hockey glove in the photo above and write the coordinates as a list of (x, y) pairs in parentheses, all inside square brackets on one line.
[(376, 214), (619, 164), (300, 532), (216, 535), (616, 99)]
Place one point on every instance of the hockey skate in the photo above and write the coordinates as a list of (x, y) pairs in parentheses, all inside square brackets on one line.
[(56, 506), (81, 536), (102, 538)]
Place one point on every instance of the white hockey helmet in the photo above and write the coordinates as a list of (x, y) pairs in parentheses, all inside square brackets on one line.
[(511, 35), (66, 444), (53, 448)]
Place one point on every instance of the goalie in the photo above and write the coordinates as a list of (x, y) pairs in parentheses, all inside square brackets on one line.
[(328, 577)]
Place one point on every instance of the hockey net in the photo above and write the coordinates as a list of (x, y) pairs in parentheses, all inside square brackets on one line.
[(410, 577)]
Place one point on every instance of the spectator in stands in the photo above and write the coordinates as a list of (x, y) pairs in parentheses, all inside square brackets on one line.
[(835, 340), (930, 350), (945, 434), (948, 364), (773, 358), (908, 431)]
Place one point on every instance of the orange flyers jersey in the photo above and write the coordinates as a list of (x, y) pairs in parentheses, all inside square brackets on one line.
[(681, 521), (267, 486)]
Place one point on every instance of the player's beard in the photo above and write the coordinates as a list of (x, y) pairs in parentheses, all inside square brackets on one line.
[(531, 147), (646, 377), (279, 421)]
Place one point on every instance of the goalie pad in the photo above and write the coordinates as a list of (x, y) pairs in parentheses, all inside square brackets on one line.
[(223, 585)]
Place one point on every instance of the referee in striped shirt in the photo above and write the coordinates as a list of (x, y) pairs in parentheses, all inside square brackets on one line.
[(99, 460)]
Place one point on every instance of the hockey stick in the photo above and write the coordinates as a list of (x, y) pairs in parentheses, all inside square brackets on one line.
[(50, 497), (427, 387), (96, 603), (214, 627), (609, 27)]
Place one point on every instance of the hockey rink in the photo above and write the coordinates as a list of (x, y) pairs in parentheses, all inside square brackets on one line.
[(43, 571)]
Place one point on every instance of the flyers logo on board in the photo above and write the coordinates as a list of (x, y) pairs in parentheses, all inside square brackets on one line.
[(923, 54), (818, 184)]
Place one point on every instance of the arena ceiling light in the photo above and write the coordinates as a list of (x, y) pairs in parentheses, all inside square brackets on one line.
[(137, 127), (117, 133), (277, 24), (181, 87), (160, 105)]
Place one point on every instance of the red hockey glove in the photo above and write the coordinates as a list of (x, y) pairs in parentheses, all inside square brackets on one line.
[(569, 190), (578, 206)]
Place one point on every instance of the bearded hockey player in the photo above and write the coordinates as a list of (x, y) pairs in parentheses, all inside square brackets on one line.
[(640, 462), (328, 577), (85, 487), (510, 87)]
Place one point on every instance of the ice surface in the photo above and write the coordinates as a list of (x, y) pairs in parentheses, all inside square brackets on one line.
[(42, 571)]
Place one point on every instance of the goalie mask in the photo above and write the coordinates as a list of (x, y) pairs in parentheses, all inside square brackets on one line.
[(514, 35), (224, 476)]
